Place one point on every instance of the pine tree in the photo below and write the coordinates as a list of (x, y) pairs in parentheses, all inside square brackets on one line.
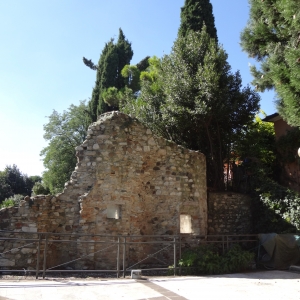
[(113, 58), (272, 37), (194, 14)]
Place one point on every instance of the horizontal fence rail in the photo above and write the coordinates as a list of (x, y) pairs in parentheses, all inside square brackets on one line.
[(147, 252)]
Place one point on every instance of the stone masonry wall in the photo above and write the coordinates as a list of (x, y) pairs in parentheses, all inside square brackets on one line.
[(37, 214), (229, 213), (127, 182)]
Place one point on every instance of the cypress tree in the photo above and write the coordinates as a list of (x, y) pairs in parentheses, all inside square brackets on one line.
[(192, 97), (125, 54), (113, 58), (194, 14)]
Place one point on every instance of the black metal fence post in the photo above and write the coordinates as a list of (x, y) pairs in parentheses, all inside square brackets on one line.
[(38, 258), (174, 255), (223, 245), (179, 253), (124, 257), (118, 258), (45, 256)]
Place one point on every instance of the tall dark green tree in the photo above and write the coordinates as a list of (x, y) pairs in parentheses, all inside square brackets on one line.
[(194, 14), (192, 97), (14, 182), (272, 37), (113, 58)]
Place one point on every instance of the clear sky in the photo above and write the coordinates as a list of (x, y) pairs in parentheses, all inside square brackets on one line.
[(43, 43)]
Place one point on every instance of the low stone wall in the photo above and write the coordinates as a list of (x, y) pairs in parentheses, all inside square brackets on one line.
[(229, 213), (37, 214)]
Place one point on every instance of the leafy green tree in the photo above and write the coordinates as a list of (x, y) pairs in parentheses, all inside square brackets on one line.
[(40, 189), (272, 38), (5, 189), (64, 132), (287, 146), (192, 98), (113, 59), (256, 144), (111, 96), (15, 179), (35, 178), (147, 105), (131, 74), (196, 13), (13, 182), (143, 64)]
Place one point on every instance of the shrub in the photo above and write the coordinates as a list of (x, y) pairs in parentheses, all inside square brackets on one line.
[(207, 260), (7, 203), (12, 201), (40, 189), (274, 208)]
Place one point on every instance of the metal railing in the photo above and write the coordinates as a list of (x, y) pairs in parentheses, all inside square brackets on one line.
[(155, 252)]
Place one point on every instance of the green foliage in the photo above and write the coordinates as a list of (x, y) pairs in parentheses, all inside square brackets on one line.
[(272, 38), (13, 181), (12, 201), (89, 63), (7, 203), (40, 189), (287, 146), (256, 143), (111, 96), (192, 98), (16, 179), (274, 207), (114, 57), (5, 188), (143, 64), (207, 260), (132, 77), (64, 132), (236, 259), (194, 14)]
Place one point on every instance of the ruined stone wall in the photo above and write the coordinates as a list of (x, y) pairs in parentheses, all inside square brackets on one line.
[(151, 180), (37, 214), (127, 182), (229, 213)]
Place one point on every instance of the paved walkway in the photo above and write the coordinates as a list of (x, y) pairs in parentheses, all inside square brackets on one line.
[(257, 285)]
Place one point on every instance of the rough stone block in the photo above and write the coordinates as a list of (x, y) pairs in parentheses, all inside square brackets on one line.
[(7, 262)]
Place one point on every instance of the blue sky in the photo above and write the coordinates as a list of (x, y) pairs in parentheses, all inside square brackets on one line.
[(42, 45)]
